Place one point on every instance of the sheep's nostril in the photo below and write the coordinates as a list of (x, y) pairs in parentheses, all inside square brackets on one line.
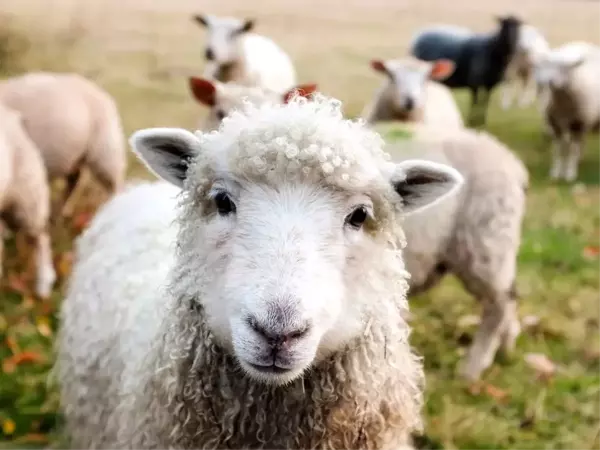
[(409, 104), (277, 339), (209, 54)]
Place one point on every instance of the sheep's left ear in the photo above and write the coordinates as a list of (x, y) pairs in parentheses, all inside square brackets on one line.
[(441, 69), (423, 183), (247, 26), (573, 61), (167, 152)]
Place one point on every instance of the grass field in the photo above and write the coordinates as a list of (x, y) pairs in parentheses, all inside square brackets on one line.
[(142, 50)]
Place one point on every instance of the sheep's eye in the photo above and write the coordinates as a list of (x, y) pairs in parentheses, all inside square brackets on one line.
[(358, 217), (220, 114), (209, 54), (224, 204)]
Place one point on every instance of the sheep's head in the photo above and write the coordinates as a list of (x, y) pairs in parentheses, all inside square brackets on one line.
[(290, 232), (408, 77), (554, 69), (509, 31), (223, 98), (222, 46)]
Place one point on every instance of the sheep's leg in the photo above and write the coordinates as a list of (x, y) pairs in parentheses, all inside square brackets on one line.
[(45, 274), (1, 247), (573, 152), (483, 106), (512, 327), (559, 145), (509, 90), (474, 103), (69, 197), (487, 339), (529, 90)]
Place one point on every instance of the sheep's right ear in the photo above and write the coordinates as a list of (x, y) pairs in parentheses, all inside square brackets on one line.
[(201, 19), (167, 152), (379, 66), (422, 184), (205, 91), (441, 69)]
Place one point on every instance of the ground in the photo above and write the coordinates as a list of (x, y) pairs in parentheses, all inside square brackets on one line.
[(142, 50)]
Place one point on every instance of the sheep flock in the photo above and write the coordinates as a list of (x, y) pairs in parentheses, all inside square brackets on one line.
[(256, 294)]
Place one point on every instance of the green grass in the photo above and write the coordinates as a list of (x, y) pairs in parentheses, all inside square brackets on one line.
[(558, 279)]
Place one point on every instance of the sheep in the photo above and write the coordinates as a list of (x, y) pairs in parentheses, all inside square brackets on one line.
[(571, 76), (271, 313), (74, 124), (410, 95), (223, 98), (234, 54), (474, 235), (480, 59), (531, 47), (25, 196)]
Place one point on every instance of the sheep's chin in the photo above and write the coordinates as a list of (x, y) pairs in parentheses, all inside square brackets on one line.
[(272, 378)]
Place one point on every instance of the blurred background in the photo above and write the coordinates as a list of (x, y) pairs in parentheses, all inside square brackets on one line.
[(143, 51)]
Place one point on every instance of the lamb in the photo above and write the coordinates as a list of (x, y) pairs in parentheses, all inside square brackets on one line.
[(74, 124), (481, 59), (410, 95), (223, 98), (234, 54), (25, 196), (271, 313), (532, 46), (474, 235), (571, 74)]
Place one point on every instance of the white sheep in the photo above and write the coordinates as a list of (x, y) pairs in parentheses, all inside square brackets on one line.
[(409, 94), (74, 123), (235, 54), (571, 76), (475, 235), (270, 313), (532, 46), (223, 98), (25, 196)]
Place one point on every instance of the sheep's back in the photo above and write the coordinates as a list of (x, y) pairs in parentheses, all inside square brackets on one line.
[(113, 304), (56, 115)]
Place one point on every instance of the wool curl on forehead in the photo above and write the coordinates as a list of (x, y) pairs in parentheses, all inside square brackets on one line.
[(305, 141)]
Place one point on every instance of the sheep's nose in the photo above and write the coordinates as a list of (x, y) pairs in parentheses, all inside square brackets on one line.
[(278, 337), (209, 54), (409, 104)]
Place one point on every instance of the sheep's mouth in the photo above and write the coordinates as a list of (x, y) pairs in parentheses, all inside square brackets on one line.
[(272, 369)]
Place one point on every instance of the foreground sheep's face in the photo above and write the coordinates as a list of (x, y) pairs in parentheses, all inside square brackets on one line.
[(290, 229), (223, 37), (409, 80)]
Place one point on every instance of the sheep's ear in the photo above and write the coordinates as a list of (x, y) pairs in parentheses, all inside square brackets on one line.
[(201, 19), (247, 26), (302, 90), (167, 152), (441, 69), (423, 183), (572, 61), (205, 91), (379, 66)]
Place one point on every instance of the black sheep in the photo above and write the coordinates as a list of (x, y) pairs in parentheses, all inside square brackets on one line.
[(480, 59)]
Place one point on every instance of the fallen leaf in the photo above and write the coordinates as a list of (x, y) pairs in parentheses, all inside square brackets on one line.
[(43, 326), (8, 427), (11, 343), (64, 263), (28, 302), (9, 365), (17, 284), (32, 437), (541, 364), (81, 220), (470, 320), (591, 252), (3, 324), (496, 393)]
